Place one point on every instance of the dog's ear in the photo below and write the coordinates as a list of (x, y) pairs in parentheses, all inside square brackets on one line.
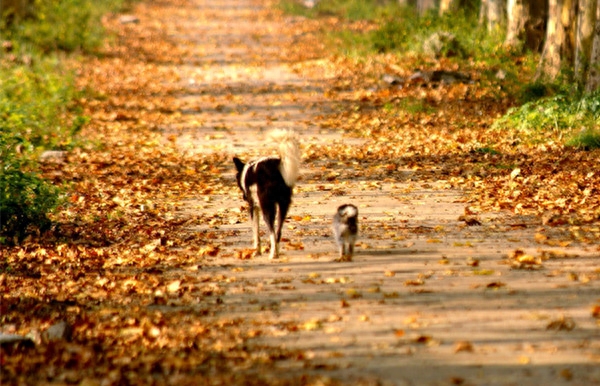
[(239, 165)]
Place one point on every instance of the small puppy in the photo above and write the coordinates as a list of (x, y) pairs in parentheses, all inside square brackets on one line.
[(345, 229), (267, 185)]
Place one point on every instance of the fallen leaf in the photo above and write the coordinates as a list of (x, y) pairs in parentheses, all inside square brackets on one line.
[(524, 360), (561, 324), (353, 293), (244, 254), (469, 220), (423, 339), (209, 250), (311, 325), (174, 286), (463, 346)]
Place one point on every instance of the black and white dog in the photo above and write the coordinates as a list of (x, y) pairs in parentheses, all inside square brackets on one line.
[(345, 229), (267, 185)]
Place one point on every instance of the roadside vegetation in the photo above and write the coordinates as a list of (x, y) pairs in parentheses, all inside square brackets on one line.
[(39, 112), (516, 141), (365, 29)]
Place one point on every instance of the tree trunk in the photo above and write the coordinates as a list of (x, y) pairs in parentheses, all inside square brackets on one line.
[(551, 59), (517, 13), (445, 6), (492, 13), (586, 20), (483, 11), (425, 5), (593, 78), (526, 23), (535, 27), (568, 17)]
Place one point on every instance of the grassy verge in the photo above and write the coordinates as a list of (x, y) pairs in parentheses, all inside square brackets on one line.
[(37, 103)]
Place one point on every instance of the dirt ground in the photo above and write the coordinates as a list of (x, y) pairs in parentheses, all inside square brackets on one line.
[(428, 299)]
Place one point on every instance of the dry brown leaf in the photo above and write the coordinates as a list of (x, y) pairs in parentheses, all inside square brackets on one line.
[(561, 324), (414, 282), (463, 346)]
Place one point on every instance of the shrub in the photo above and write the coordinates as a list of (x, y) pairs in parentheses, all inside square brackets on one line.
[(586, 139), (37, 109), (36, 102), (25, 198), (393, 35), (558, 112), (347, 9), (66, 25)]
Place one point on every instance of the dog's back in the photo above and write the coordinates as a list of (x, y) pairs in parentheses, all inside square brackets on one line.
[(262, 180)]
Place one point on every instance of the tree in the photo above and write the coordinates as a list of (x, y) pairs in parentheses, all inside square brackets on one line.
[(526, 23), (492, 13), (572, 42), (586, 20), (425, 5), (593, 77), (560, 40)]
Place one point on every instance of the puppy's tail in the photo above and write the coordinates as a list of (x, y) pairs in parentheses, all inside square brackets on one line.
[(289, 152)]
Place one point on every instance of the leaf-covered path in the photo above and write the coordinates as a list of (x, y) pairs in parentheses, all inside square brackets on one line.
[(157, 283)]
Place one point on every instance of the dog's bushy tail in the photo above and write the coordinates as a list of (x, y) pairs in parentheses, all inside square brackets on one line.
[(289, 152)]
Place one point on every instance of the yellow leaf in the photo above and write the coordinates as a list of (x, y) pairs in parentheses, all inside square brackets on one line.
[(174, 286), (311, 325), (353, 293), (515, 173), (540, 238), (524, 360)]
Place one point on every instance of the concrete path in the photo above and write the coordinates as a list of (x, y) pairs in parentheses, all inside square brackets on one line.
[(427, 300)]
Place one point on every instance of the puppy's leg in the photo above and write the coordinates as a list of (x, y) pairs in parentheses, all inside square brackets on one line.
[(341, 246), (255, 218), (351, 242)]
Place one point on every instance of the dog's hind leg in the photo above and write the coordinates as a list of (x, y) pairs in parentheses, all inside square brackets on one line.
[(269, 214), (282, 209), (255, 216)]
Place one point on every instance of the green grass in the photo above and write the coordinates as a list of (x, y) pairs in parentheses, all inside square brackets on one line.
[(586, 139), (38, 109), (346, 9), (559, 114), (66, 25)]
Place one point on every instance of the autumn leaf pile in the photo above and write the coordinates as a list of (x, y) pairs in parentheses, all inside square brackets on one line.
[(122, 250)]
